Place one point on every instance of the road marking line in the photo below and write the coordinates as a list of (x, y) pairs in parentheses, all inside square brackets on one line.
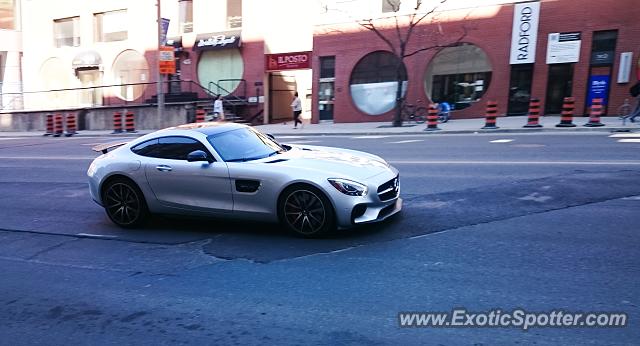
[(577, 163), (89, 235), (47, 157), (303, 142), (368, 137), (629, 140), (7, 138), (501, 141), (287, 137), (407, 141), (625, 135)]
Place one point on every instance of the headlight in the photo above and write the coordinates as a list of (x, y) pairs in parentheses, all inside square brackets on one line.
[(348, 187)]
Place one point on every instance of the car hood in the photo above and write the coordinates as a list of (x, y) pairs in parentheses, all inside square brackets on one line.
[(340, 163)]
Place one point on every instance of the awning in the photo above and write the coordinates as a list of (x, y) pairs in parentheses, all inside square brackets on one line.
[(216, 41), (88, 58)]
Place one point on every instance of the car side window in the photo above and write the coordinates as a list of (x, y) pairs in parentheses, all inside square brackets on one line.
[(147, 148), (177, 148), (172, 148)]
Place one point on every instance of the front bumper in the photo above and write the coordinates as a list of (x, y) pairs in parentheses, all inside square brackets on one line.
[(352, 211)]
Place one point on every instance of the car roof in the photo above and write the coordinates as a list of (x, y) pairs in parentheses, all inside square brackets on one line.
[(208, 128)]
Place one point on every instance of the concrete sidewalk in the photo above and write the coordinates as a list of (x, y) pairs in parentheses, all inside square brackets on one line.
[(505, 124)]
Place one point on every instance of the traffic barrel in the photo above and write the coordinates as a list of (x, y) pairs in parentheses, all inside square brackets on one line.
[(49, 130), (432, 119), (71, 125), (200, 115), (596, 112), (490, 117), (57, 125), (566, 118), (117, 122), (534, 113), (130, 122)]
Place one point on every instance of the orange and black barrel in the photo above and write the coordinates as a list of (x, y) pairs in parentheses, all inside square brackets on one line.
[(595, 114), (566, 118), (533, 119), (490, 116)]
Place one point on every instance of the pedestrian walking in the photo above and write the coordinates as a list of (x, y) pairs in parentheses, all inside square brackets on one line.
[(218, 108), (635, 92), (296, 106)]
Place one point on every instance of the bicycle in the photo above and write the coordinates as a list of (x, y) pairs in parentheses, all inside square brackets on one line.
[(625, 111), (414, 113)]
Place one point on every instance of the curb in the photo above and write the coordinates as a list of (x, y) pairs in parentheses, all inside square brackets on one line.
[(457, 132)]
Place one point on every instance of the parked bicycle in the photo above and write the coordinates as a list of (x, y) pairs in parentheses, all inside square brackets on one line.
[(415, 113), (624, 111)]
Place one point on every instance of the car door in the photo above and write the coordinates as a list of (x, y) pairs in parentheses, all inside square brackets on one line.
[(177, 183)]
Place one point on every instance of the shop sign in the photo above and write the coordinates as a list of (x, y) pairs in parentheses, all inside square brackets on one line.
[(288, 61), (216, 41), (624, 69), (602, 58), (524, 33), (563, 47), (166, 60), (598, 89)]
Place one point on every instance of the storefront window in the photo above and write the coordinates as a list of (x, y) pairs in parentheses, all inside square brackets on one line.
[(458, 75), (220, 70), (130, 69), (374, 82)]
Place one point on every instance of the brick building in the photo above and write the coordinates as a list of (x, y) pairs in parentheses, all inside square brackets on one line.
[(582, 48)]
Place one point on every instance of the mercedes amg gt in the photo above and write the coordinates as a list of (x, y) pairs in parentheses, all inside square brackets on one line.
[(233, 170)]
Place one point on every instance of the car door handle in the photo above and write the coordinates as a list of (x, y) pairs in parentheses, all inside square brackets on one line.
[(164, 168)]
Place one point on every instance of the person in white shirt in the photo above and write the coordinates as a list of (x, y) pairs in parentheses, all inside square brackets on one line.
[(296, 105), (218, 109)]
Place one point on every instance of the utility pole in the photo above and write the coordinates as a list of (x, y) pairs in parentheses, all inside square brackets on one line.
[(158, 74)]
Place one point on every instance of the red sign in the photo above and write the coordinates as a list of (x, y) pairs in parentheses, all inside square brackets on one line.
[(288, 61), (166, 60)]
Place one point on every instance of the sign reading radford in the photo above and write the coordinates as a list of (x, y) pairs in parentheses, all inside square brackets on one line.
[(524, 35), (288, 61)]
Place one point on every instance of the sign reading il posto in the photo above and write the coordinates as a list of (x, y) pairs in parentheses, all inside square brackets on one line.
[(288, 61), (563, 47), (524, 34)]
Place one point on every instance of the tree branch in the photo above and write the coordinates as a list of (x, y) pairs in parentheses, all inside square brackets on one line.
[(368, 24), (440, 46)]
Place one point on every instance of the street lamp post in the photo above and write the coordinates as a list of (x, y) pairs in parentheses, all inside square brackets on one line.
[(158, 74)]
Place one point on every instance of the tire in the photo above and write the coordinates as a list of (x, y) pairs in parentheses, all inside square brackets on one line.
[(421, 115), (306, 211), (124, 203)]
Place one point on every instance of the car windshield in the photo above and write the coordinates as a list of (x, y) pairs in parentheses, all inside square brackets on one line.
[(244, 144)]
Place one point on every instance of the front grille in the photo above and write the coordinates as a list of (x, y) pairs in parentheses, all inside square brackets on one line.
[(390, 189)]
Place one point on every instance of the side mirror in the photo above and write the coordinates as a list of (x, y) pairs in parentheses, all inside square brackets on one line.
[(197, 156)]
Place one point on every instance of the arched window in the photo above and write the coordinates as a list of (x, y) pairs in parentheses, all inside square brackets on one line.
[(130, 67), (374, 81), (459, 75), (220, 70)]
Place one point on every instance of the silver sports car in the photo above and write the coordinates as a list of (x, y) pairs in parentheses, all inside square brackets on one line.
[(232, 170)]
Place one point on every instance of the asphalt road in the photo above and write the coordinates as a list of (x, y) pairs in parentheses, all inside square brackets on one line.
[(532, 221)]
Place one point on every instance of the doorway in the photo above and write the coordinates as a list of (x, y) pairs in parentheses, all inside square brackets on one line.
[(559, 85), (520, 89), (91, 82), (282, 86)]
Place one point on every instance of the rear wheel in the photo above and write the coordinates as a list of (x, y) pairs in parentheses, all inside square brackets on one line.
[(124, 203), (306, 211)]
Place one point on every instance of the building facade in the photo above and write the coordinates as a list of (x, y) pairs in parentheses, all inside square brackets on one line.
[(79, 53), (505, 51)]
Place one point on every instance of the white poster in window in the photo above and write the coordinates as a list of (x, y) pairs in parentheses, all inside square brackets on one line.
[(524, 33), (563, 47), (624, 69)]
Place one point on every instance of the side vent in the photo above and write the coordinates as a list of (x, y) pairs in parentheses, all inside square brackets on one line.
[(247, 185)]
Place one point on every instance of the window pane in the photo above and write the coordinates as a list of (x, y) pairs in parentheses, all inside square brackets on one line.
[(177, 148), (234, 14), (374, 82), (147, 148), (111, 26), (67, 32), (131, 72), (7, 14), (186, 16)]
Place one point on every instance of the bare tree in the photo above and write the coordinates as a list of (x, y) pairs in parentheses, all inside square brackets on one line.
[(397, 31)]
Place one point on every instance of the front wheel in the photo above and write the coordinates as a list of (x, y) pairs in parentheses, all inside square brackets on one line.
[(306, 211), (421, 115), (124, 203)]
